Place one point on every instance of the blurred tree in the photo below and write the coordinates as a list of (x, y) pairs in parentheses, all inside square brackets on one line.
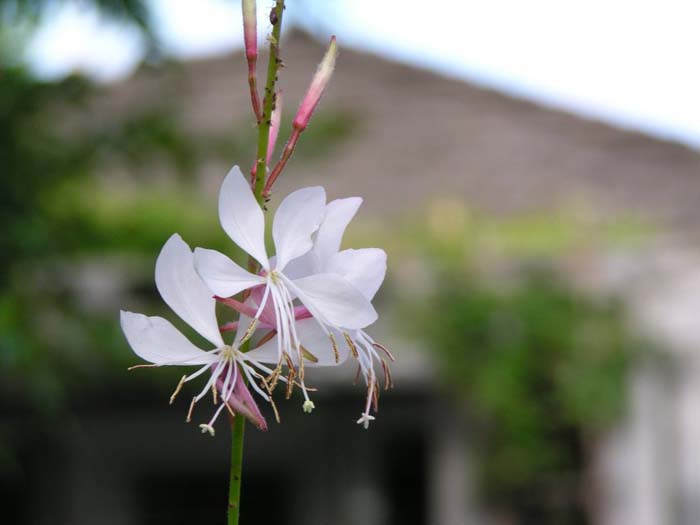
[(56, 223), (539, 367), (45, 189), (131, 12), (542, 370)]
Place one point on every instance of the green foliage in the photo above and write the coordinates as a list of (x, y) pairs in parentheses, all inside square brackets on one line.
[(47, 170), (541, 370), (34, 159), (57, 217)]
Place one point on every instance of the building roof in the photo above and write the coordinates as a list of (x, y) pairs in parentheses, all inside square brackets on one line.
[(420, 135)]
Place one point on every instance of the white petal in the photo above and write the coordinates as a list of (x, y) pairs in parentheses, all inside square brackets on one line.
[(334, 301), (318, 343), (297, 218), (364, 269), (157, 341), (223, 276), (265, 353), (184, 291), (302, 266), (338, 215), (241, 216), (313, 339)]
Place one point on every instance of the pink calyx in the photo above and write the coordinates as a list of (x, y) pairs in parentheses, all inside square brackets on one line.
[(267, 319), (241, 401)]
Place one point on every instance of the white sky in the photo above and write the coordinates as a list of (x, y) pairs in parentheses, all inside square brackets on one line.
[(630, 62)]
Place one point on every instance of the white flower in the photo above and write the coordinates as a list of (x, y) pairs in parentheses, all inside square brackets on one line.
[(333, 301), (156, 340), (365, 269)]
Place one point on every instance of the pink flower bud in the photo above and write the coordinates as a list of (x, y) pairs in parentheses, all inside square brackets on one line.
[(274, 126), (317, 87), (250, 30)]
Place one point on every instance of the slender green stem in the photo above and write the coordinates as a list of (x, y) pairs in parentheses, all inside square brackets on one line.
[(268, 101), (238, 424), (234, 491)]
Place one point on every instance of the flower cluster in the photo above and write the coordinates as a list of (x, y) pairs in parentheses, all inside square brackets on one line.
[(306, 306)]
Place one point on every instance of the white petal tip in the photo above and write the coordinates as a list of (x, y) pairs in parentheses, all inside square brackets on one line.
[(308, 406), (207, 429)]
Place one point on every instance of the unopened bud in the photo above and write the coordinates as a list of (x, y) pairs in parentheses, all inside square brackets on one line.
[(274, 126), (317, 87), (250, 29), (308, 406)]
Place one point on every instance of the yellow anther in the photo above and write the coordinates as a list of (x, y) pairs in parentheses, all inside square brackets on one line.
[(308, 355), (177, 389), (334, 344), (249, 332), (214, 392), (189, 412), (141, 366), (351, 344)]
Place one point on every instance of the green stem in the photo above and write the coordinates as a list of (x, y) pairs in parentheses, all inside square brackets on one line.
[(234, 492), (238, 424), (268, 102)]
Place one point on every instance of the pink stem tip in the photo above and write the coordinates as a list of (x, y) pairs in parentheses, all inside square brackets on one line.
[(305, 111), (317, 87)]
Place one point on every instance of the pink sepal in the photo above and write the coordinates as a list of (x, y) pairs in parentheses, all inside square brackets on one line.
[(242, 402)]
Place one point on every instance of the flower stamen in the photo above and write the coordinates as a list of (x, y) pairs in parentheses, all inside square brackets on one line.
[(290, 383), (383, 349), (357, 375), (177, 389), (249, 332), (351, 344), (388, 380), (189, 412), (272, 402), (334, 344), (142, 366)]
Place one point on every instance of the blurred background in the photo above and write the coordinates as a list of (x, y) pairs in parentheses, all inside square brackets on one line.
[(532, 170)]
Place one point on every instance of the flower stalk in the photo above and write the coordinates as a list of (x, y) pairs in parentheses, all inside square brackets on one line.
[(269, 97), (264, 121), (234, 493)]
